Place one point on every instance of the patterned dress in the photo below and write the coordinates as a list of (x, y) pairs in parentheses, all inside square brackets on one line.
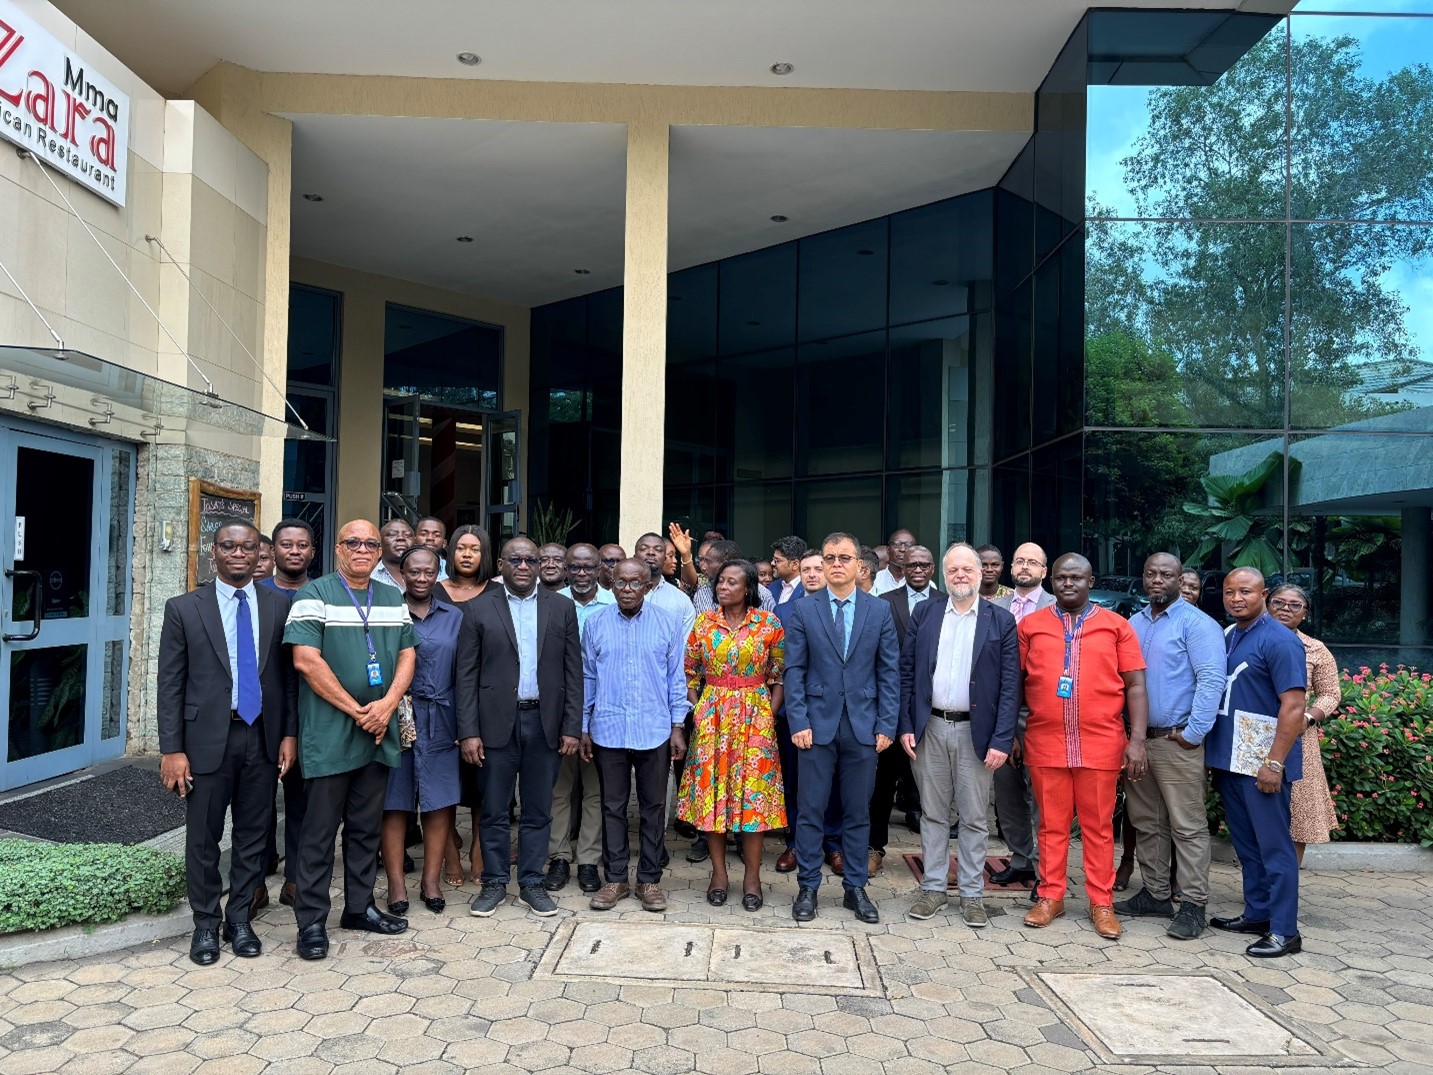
[(1312, 815), (732, 781)]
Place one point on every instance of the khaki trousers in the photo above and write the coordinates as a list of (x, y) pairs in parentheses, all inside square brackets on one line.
[(1166, 809)]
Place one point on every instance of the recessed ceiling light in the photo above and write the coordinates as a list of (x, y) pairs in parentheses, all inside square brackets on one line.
[(779, 219), (865, 253), (583, 272), (939, 283), (313, 197), (782, 68), (465, 238), (754, 324), (674, 298), (469, 59)]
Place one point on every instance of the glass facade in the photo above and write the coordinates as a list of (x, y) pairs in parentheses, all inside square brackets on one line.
[(1198, 294), (315, 319)]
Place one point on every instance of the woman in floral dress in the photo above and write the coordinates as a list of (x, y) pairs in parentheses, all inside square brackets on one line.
[(732, 782)]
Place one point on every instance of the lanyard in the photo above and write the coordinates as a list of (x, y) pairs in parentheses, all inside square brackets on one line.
[(1071, 632), (363, 614)]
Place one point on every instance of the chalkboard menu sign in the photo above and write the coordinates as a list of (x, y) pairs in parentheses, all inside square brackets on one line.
[(210, 504)]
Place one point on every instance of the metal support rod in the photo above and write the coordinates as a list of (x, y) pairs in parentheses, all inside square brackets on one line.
[(49, 327)]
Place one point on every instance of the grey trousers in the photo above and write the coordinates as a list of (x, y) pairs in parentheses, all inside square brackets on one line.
[(589, 827), (949, 775), (1018, 815), (1166, 809)]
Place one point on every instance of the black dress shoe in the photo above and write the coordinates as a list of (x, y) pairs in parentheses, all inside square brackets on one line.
[(803, 908), (373, 920), (1011, 876), (398, 907), (1273, 945), (557, 874), (436, 904), (243, 939), (685, 829), (856, 900), (204, 946), (587, 879), (1239, 924), (313, 942), (699, 851), (913, 821)]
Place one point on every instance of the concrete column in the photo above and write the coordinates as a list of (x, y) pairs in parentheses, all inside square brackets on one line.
[(360, 411), (644, 332), (1413, 598)]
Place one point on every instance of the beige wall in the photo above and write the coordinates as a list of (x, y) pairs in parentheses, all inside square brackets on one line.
[(360, 388)]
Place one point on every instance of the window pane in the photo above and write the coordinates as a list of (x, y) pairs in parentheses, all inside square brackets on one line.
[(121, 538), (843, 281), (1185, 324), (929, 403), (313, 334), (852, 505), (756, 407), (1361, 339), (761, 513), (916, 502), (841, 426), (692, 314), (941, 259), (1009, 388), (693, 447), (1015, 223), (441, 358), (112, 707), (758, 301), (47, 700)]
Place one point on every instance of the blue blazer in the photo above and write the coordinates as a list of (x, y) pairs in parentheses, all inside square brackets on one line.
[(995, 683), (774, 588), (820, 684)]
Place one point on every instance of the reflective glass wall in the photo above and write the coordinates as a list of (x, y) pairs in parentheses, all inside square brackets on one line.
[(1259, 330)]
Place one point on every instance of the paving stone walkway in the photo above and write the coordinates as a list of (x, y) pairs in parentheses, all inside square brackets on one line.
[(459, 994)]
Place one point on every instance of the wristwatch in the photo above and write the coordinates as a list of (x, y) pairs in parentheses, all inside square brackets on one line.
[(1276, 766)]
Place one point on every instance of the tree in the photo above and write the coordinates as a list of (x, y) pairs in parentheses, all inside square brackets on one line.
[(1213, 296)]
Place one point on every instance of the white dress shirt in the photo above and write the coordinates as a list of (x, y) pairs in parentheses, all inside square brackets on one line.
[(885, 582), (950, 687)]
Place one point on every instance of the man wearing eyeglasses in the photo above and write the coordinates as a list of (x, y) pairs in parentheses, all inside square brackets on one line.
[(1184, 676), (355, 648), (842, 697), (226, 714), (608, 557), (893, 574), (519, 700)]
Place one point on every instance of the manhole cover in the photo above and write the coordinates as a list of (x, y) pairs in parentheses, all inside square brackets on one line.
[(814, 961), (1170, 1018)]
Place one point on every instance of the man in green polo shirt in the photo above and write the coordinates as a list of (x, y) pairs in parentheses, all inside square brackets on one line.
[(353, 644)]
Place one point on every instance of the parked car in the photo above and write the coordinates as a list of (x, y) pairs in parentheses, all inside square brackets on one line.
[(1123, 603)]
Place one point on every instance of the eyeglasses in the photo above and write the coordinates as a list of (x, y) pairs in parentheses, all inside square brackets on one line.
[(580, 569), (235, 546), (611, 561), (519, 561), (627, 584), (1021, 561), (366, 544), (901, 545), (843, 559), (1280, 605)]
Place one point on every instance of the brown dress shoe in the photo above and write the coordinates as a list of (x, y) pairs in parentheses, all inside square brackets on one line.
[(609, 895), (1044, 912), (288, 894), (261, 898), (837, 861), (1106, 924), (786, 861), (874, 861), (652, 896)]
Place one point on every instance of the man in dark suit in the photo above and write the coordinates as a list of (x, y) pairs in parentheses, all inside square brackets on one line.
[(1015, 808), (786, 554), (227, 719), (519, 697), (811, 577), (893, 767), (960, 697), (842, 697)]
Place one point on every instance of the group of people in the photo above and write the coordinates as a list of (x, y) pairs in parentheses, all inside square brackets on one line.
[(806, 693)]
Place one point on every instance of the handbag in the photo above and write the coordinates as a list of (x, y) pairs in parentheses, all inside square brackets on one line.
[(407, 726)]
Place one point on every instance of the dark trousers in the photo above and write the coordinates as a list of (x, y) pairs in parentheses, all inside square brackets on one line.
[(791, 784), (293, 783), (893, 765), (355, 799), (244, 782), (855, 762), (1259, 831), (615, 767), (525, 764)]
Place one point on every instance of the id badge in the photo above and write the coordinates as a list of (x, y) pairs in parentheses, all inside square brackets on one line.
[(1065, 687), (375, 673)]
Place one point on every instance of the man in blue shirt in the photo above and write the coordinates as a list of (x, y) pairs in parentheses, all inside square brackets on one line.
[(1184, 675), (635, 703), (1256, 756)]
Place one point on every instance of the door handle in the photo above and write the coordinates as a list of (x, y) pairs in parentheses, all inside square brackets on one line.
[(34, 577)]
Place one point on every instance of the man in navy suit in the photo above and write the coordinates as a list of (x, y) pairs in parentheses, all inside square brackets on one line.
[(960, 697), (842, 700), (786, 555)]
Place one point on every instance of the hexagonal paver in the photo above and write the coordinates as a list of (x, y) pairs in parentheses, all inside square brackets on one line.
[(663, 1060), (670, 1015)]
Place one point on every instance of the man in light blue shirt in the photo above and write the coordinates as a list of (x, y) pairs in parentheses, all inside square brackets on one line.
[(590, 598), (651, 548), (1185, 666), (635, 703)]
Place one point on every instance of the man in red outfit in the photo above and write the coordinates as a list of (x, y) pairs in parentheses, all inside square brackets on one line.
[(1083, 672)]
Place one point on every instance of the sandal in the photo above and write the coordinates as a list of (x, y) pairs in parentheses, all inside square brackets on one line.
[(752, 901), (716, 896)]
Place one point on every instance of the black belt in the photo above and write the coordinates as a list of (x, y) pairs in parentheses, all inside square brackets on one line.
[(1164, 733), (532, 703), (955, 716), (234, 715)]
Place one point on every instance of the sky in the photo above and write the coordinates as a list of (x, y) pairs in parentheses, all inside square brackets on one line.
[(1118, 115)]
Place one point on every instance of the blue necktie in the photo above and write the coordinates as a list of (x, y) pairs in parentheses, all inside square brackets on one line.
[(250, 696), (841, 626)]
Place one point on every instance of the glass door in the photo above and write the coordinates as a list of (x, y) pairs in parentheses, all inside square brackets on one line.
[(64, 602), (402, 478), (503, 477)]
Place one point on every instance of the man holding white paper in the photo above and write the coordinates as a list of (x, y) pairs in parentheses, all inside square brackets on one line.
[(1255, 754)]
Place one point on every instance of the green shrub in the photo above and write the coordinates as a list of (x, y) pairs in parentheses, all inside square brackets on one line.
[(43, 886), (1378, 753)]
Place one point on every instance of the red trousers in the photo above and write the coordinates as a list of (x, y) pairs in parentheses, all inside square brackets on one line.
[(1061, 794)]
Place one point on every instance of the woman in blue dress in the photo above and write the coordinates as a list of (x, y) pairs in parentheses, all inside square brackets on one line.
[(426, 776)]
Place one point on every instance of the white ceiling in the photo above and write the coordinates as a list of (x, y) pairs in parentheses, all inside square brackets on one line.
[(872, 44), (542, 200)]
